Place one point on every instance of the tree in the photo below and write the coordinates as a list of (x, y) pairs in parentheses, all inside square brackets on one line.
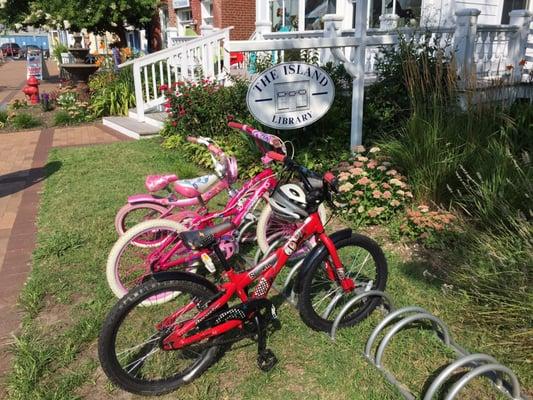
[(13, 12), (96, 16)]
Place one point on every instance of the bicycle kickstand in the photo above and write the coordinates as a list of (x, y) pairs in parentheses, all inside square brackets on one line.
[(266, 359)]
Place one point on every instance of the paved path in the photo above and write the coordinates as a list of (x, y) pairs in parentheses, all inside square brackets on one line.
[(23, 156)]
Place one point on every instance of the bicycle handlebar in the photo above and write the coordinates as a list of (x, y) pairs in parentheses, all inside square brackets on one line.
[(257, 134), (206, 142)]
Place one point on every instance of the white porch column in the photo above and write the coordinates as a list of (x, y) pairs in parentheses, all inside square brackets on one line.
[(345, 8), (262, 17), (358, 92), (518, 41), (464, 42)]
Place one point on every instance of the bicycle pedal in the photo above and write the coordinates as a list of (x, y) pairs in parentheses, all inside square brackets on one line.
[(266, 360)]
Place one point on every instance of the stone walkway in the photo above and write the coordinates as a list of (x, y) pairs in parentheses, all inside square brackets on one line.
[(23, 158)]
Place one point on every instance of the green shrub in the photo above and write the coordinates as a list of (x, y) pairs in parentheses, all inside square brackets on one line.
[(25, 121), (112, 93), (62, 117), (58, 49), (3, 118), (371, 190)]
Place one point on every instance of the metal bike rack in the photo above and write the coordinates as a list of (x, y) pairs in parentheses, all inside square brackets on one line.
[(480, 364), (356, 299)]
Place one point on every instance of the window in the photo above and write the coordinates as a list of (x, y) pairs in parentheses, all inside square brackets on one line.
[(284, 15), (184, 21), (510, 5), (207, 12), (315, 10)]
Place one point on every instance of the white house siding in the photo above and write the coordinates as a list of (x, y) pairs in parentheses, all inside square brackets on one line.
[(442, 12)]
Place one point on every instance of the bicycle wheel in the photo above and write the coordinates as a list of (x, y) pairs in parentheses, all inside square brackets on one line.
[(321, 298), (128, 264), (270, 229), (130, 349), (132, 214)]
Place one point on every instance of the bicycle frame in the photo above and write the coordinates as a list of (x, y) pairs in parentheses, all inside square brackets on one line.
[(236, 209), (265, 272)]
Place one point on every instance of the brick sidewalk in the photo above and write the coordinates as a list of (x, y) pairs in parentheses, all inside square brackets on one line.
[(24, 156)]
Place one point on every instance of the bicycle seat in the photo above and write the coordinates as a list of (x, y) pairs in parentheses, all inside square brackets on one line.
[(157, 182), (196, 186), (203, 238)]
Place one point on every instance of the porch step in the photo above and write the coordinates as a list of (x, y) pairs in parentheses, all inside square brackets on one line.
[(131, 127), (154, 117)]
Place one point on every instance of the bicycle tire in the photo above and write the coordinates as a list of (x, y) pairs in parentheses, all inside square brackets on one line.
[(114, 281), (311, 317), (122, 214), (107, 343), (264, 221)]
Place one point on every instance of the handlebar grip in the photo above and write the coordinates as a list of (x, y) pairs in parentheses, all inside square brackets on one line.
[(275, 156), (215, 150), (332, 181), (192, 139)]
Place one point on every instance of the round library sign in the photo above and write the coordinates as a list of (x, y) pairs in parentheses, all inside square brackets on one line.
[(290, 95)]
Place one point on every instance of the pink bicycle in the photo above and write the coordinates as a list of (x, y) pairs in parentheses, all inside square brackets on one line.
[(129, 264), (195, 192)]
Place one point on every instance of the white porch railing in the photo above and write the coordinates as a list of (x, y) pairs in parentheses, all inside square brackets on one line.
[(484, 52), (191, 60)]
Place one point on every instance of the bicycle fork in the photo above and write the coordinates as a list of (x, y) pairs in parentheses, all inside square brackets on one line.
[(336, 271)]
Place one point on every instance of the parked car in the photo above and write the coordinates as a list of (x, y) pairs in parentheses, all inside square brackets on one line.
[(31, 47), (11, 50)]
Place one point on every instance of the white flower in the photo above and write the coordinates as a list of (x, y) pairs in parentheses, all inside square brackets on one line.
[(113, 6), (374, 149), (66, 24), (18, 26)]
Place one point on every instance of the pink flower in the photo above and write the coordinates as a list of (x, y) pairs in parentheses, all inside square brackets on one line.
[(356, 171), (358, 164), (423, 208), (397, 182), (376, 194), (163, 88), (363, 181), (346, 187), (395, 203), (387, 194), (372, 164), (343, 176), (361, 158), (375, 211), (385, 185), (373, 186), (381, 168), (409, 194), (392, 172), (359, 193), (359, 149)]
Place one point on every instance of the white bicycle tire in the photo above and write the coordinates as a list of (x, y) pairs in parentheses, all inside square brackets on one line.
[(113, 280), (262, 225)]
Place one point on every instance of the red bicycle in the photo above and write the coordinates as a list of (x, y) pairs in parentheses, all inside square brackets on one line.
[(155, 350)]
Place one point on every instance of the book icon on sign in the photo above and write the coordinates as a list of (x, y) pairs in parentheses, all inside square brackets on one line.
[(293, 96)]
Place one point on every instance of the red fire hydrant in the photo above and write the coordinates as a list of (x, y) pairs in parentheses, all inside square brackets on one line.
[(32, 89)]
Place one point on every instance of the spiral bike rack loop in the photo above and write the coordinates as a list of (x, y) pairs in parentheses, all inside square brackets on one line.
[(480, 364), (356, 299), (406, 321), (473, 360), (481, 370)]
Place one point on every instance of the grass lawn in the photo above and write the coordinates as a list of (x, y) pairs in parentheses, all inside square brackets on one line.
[(67, 298)]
